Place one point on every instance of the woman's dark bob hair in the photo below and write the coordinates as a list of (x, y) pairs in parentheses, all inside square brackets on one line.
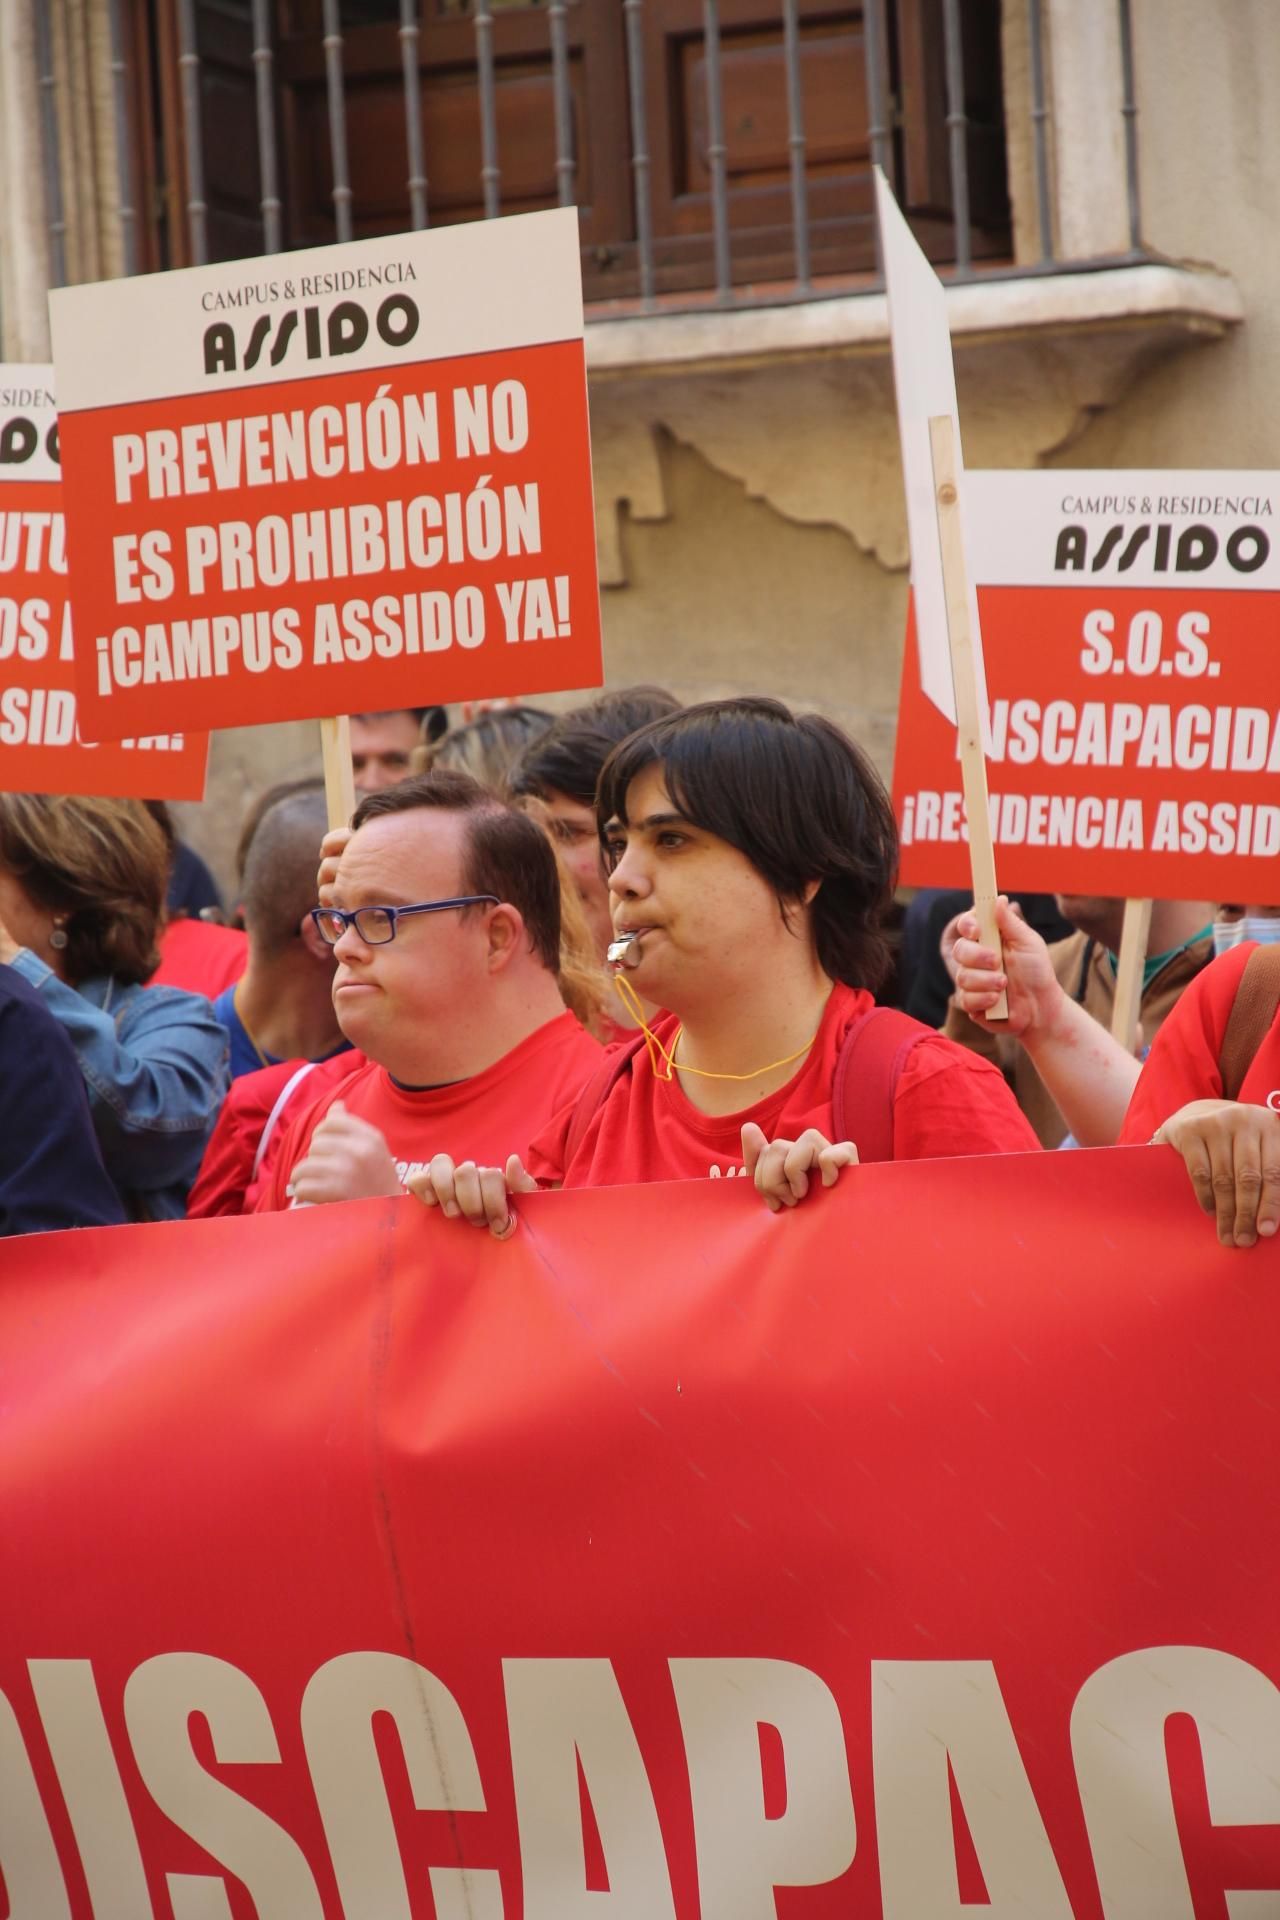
[(797, 797)]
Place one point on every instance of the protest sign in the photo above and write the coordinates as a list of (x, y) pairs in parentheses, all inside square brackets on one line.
[(41, 749), (355, 1564), (950, 651), (333, 481), (1128, 622)]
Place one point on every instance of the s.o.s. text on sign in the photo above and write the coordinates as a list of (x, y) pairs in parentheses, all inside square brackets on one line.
[(344, 487)]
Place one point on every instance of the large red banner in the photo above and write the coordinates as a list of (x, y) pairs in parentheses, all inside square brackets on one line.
[(912, 1554)]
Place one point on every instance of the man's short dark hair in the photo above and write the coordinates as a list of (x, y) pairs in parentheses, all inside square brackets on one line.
[(431, 722), (504, 852), (797, 797), (278, 871), (569, 756)]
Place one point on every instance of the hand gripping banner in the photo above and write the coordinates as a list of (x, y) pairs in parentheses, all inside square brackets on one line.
[(912, 1554)]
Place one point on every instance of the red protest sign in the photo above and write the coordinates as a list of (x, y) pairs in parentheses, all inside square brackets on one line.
[(397, 1572), (41, 748), (1128, 633), (344, 481)]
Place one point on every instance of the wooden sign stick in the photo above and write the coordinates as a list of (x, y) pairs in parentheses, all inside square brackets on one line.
[(339, 780), (973, 763), (1134, 939)]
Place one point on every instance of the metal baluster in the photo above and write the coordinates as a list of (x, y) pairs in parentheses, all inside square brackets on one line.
[(192, 135), (557, 21), (716, 150), (124, 150), (1039, 117), (1129, 108), (263, 60), (337, 119), (413, 114), (50, 153), (490, 174), (878, 130), (957, 135), (796, 145), (639, 146)]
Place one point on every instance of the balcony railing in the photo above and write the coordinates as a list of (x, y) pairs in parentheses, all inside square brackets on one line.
[(719, 151)]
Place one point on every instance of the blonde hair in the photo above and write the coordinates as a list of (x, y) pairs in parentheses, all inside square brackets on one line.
[(102, 863), (488, 748), (584, 985)]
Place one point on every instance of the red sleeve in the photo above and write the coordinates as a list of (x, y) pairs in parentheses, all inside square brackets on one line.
[(950, 1102), (1183, 1062), (227, 1168), (546, 1156), (224, 1172)]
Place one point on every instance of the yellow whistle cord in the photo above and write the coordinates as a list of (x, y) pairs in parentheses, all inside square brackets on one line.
[(631, 1001)]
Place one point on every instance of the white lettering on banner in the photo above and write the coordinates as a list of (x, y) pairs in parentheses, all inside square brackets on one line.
[(46, 717), (335, 542), (932, 1721), (416, 623), (30, 542), (1118, 1744), (1090, 821), (24, 629), (159, 1699), (564, 1715), (743, 1852), (1154, 737), (80, 1746), (337, 1730), (268, 449), (32, 1877), (198, 649)]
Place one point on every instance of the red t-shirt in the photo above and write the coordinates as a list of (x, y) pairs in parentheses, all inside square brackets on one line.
[(486, 1118), (237, 1162), (1183, 1062), (947, 1101), (200, 958)]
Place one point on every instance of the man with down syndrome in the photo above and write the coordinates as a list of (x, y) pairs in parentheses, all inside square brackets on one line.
[(751, 853)]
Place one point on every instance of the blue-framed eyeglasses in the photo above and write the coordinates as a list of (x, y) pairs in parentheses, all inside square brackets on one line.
[(377, 925)]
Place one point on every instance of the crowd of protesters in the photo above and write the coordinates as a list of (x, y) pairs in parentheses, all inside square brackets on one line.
[(632, 942)]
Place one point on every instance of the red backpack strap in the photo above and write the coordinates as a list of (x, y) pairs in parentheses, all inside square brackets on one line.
[(1249, 1022), (616, 1062), (866, 1079)]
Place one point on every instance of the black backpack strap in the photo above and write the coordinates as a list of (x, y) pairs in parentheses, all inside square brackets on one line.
[(866, 1079)]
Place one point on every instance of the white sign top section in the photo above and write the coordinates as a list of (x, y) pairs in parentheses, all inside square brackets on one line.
[(925, 382), (481, 287), (28, 423), (1126, 529)]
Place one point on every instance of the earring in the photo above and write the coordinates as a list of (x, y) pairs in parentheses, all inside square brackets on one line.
[(58, 936)]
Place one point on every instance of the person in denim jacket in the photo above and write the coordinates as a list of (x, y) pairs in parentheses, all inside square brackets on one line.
[(82, 885)]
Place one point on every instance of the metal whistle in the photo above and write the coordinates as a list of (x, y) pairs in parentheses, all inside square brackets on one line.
[(624, 952)]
